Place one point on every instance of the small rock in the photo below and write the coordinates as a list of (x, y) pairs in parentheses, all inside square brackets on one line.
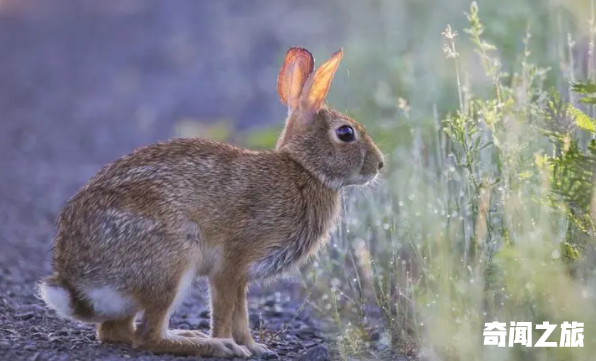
[(306, 330), (26, 316), (279, 343), (205, 314), (4, 345), (269, 355), (275, 313), (34, 329), (204, 324), (306, 335), (193, 321), (298, 325), (319, 353), (35, 308), (254, 320), (270, 302), (309, 344), (30, 347)]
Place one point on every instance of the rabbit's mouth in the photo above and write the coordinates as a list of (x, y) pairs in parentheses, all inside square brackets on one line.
[(363, 179)]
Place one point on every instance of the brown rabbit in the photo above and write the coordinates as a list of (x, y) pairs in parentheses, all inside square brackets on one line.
[(135, 237)]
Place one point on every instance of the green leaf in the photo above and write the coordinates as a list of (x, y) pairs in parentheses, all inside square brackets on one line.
[(584, 88), (571, 252), (582, 120), (588, 100)]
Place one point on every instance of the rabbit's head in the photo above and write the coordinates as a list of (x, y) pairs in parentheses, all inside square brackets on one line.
[(331, 145)]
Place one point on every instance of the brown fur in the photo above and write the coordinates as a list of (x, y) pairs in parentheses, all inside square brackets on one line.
[(202, 208)]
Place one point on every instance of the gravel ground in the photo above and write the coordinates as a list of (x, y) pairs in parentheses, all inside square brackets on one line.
[(84, 82)]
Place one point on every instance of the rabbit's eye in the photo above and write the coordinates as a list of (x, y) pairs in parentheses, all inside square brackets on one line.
[(345, 133)]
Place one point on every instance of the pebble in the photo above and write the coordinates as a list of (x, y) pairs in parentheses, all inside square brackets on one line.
[(269, 355), (309, 344), (204, 324), (254, 320), (319, 353), (305, 335), (192, 321), (26, 316), (269, 303), (33, 308), (274, 313)]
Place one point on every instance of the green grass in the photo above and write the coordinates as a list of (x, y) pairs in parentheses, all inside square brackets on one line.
[(486, 211)]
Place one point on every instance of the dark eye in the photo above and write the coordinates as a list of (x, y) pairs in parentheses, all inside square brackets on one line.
[(345, 133)]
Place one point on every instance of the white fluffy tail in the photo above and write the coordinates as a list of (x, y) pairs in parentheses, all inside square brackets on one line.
[(92, 305), (58, 298)]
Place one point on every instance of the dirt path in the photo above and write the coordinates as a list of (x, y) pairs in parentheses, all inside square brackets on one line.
[(82, 83)]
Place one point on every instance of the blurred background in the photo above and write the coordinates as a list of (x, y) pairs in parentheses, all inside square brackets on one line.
[(103, 74), (84, 82)]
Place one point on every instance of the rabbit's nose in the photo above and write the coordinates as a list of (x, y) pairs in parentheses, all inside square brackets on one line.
[(381, 165)]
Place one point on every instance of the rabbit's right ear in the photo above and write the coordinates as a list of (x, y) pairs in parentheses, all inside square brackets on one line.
[(317, 86), (298, 65)]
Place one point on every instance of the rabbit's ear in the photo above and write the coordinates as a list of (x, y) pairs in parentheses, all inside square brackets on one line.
[(317, 86), (298, 65)]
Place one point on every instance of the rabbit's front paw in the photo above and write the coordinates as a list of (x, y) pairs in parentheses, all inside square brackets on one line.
[(227, 347)]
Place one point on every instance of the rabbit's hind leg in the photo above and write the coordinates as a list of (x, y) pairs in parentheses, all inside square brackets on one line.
[(152, 335), (158, 301), (188, 333), (117, 331)]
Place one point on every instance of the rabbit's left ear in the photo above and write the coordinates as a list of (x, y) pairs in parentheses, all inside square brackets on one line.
[(298, 65), (317, 86)]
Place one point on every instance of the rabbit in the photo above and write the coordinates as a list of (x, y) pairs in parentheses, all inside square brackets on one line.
[(134, 238)]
